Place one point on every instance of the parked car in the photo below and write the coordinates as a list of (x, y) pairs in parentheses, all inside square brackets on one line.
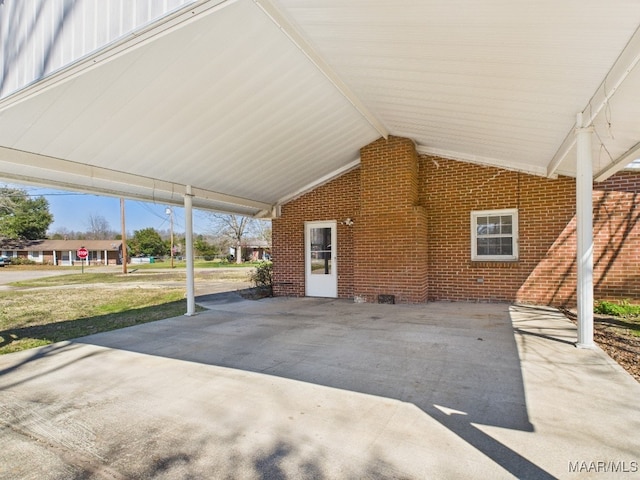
[(6, 260), (1, 261)]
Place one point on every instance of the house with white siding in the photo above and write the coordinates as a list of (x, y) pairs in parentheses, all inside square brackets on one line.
[(64, 252)]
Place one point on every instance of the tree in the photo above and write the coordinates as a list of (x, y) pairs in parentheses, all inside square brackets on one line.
[(204, 248), (234, 227), (23, 217), (263, 230), (99, 228), (147, 242)]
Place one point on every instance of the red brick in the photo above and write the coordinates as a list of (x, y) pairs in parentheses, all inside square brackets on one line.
[(411, 236)]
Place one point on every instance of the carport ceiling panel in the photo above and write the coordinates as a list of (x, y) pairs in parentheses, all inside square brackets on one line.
[(471, 76), (250, 102)]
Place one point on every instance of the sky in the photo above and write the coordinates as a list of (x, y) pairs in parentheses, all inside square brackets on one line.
[(71, 211)]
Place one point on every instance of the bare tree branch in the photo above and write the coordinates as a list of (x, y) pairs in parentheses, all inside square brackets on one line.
[(99, 228), (234, 227)]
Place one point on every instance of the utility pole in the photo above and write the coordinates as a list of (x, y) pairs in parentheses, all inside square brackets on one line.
[(124, 237), (169, 212)]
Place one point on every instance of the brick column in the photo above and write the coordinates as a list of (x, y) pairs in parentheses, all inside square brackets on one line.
[(390, 233)]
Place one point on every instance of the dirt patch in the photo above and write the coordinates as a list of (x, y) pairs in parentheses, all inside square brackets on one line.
[(616, 339)]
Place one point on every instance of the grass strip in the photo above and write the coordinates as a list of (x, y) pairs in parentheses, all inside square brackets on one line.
[(137, 276), (31, 319)]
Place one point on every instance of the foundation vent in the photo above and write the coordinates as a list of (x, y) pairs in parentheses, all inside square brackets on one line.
[(390, 299)]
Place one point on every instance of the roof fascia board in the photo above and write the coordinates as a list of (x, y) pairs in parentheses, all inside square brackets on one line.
[(169, 191), (321, 181), (294, 35), (117, 48), (479, 160), (618, 73), (619, 164)]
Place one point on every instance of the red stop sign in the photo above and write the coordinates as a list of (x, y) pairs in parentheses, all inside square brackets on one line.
[(83, 253)]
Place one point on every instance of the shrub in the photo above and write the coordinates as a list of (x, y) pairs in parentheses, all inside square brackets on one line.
[(621, 309), (21, 261), (262, 276)]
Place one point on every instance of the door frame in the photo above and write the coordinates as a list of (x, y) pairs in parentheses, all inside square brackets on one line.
[(321, 285)]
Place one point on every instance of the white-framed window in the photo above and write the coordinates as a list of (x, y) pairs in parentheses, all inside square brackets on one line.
[(494, 235), (35, 256)]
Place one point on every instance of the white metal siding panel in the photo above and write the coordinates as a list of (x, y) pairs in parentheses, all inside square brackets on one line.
[(38, 37), (500, 79), (226, 102), (253, 118)]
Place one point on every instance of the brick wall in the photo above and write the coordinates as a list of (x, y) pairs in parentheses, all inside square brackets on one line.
[(412, 237), (545, 272), (391, 230), (336, 200), (545, 208), (617, 237)]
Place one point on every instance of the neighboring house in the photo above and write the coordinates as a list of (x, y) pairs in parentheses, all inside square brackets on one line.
[(253, 250), (64, 252), (414, 228)]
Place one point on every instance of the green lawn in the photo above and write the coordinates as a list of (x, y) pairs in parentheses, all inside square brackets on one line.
[(182, 264), (64, 307)]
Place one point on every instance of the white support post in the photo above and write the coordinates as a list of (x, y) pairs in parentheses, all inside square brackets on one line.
[(188, 236), (584, 218)]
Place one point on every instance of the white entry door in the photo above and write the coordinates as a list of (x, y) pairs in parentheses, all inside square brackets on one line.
[(321, 276)]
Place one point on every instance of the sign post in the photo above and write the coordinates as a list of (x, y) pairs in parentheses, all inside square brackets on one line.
[(82, 254)]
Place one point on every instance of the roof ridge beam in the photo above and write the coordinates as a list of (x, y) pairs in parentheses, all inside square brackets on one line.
[(287, 27), (615, 77)]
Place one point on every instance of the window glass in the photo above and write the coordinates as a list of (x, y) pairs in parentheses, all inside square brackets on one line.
[(493, 225), (321, 251), (494, 235)]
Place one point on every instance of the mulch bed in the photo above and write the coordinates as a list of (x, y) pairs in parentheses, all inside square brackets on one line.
[(617, 341), (256, 293)]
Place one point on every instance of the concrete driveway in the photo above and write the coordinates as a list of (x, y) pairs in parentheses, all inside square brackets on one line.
[(322, 389), (10, 275)]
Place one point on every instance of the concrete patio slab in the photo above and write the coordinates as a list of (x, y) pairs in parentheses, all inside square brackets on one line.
[(316, 388)]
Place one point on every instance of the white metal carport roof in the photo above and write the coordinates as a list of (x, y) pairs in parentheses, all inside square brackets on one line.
[(253, 101)]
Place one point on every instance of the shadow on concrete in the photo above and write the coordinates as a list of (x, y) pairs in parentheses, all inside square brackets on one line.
[(533, 320), (458, 363), (41, 354)]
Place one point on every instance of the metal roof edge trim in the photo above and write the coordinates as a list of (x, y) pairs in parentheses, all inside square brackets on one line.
[(321, 181), (619, 164), (479, 160), (628, 59), (41, 163)]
